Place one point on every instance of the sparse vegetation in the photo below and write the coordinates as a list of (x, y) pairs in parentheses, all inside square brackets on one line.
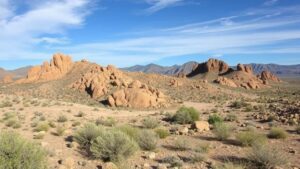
[(62, 119), (162, 133), (277, 133), (181, 144), (113, 145), (42, 126), (87, 134), (186, 115), (147, 140), (213, 119), (267, 157), (150, 123), (110, 122), (249, 138), (60, 130), (16, 152), (222, 131)]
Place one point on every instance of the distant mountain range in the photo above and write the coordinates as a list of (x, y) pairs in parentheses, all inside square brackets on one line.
[(17, 73), (279, 70)]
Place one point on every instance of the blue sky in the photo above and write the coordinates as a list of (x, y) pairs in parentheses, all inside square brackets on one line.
[(166, 32)]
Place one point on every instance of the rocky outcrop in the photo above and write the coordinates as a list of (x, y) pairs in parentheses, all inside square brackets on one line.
[(111, 84), (100, 80), (57, 68), (137, 95), (245, 68), (212, 65), (225, 81), (175, 83), (7, 79), (268, 76)]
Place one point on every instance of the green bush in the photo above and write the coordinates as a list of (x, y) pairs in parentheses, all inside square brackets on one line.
[(147, 140), (267, 157), (42, 126), (212, 119), (222, 131), (110, 122), (277, 133), (249, 138), (16, 152), (150, 123), (87, 134), (62, 119), (181, 145), (239, 104), (162, 133), (174, 161), (186, 115), (132, 132), (298, 129), (113, 145), (60, 130)]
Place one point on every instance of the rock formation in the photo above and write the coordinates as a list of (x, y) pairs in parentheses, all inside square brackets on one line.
[(120, 90), (212, 65), (245, 68), (58, 67), (268, 76), (225, 81), (7, 79), (137, 95)]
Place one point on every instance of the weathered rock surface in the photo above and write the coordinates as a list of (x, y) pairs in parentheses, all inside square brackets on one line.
[(120, 90), (225, 81), (268, 76), (58, 67), (245, 68), (212, 65), (201, 126), (137, 95)]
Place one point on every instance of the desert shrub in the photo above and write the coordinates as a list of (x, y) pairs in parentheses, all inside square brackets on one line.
[(76, 123), (277, 133), (14, 123), (239, 104), (60, 130), (174, 161), (62, 119), (42, 126), (85, 135), (202, 148), (6, 104), (249, 138), (195, 158), (52, 124), (147, 140), (39, 135), (267, 157), (212, 119), (132, 132), (249, 108), (110, 122), (113, 145), (150, 123), (162, 133), (9, 115), (16, 152), (80, 114), (222, 131), (231, 117), (181, 145), (230, 165), (186, 115)]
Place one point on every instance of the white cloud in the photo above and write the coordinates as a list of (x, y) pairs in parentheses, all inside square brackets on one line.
[(270, 2), (158, 5), (19, 32)]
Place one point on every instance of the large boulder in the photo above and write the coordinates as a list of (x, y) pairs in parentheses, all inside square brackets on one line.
[(225, 81), (268, 76), (100, 80), (245, 68), (212, 65), (201, 126), (137, 96), (59, 66)]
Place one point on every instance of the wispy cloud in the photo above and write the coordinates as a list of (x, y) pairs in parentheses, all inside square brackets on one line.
[(270, 2), (19, 32), (158, 5)]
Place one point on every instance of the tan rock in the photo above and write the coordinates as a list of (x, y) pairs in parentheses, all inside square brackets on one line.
[(7, 79), (268, 76), (245, 68), (225, 81), (201, 126)]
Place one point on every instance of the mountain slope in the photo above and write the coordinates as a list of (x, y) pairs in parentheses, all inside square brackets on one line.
[(17, 73), (279, 70)]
